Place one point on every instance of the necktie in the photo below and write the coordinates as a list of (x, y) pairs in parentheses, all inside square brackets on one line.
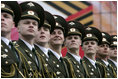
[(14, 54), (36, 58), (61, 59), (49, 53)]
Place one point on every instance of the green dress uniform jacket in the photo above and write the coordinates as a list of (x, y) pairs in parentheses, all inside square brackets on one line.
[(108, 70), (47, 63), (78, 69), (9, 65), (91, 71), (59, 67), (113, 65), (30, 68)]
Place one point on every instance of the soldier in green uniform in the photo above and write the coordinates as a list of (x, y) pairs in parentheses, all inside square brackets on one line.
[(41, 41), (113, 52), (55, 43), (73, 42), (91, 40), (10, 15), (31, 19), (102, 56)]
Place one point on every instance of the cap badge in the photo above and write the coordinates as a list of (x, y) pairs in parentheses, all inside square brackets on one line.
[(72, 23), (55, 17), (57, 24), (30, 4), (104, 39), (88, 28), (72, 29), (103, 34), (30, 12), (115, 37), (2, 5), (89, 35)]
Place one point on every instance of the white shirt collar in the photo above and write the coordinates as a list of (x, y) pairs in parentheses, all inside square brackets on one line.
[(6, 41), (45, 50), (114, 62), (28, 45), (78, 58), (56, 54), (92, 62), (105, 62)]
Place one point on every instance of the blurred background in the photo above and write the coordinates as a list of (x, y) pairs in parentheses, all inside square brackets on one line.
[(99, 14)]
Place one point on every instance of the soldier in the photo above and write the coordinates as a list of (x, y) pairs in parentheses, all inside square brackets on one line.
[(10, 15), (113, 52), (102, 55), (31, 19), (55, 43), (42, 39), (73, 42), (90, 42)]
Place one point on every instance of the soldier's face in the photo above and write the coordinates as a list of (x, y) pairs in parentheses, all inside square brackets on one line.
[(43, 35), (73, 42), (57, 37), (28, 27), (90, 47), (7, 23), (103, 49), (113, 52)]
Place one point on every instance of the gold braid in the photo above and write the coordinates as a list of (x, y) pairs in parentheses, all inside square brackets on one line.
[(19, 71), (42, 60), (105, 72), (71, 67), (83, 62), (114, 73), (35, 74), (10, 74)]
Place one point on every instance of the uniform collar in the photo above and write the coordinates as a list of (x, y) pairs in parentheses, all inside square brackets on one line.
[(114, 62), (45, 50), (78, 58), (56, 54), (105, 62), (28, 45), (6, 41), (92, 62)]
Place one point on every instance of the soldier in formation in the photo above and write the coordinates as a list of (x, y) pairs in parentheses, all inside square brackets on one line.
[(37, 52)]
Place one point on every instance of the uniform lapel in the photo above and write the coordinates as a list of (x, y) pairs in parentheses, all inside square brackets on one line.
[(76, 64), (43, 56), (56, 63), (112, 64), (7, 50), (91, 69), (26, 49)]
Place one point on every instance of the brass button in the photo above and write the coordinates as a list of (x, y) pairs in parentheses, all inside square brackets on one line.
[(92, 69), (78, 71), (58, 72), (6, 62), (91, 73), (30, 55), (29, 62), (77, 66), (6, 50), (57, 65), (46, 59), (54, 62)]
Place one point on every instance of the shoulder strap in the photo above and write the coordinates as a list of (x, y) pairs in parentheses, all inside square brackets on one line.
[(83, 62)]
